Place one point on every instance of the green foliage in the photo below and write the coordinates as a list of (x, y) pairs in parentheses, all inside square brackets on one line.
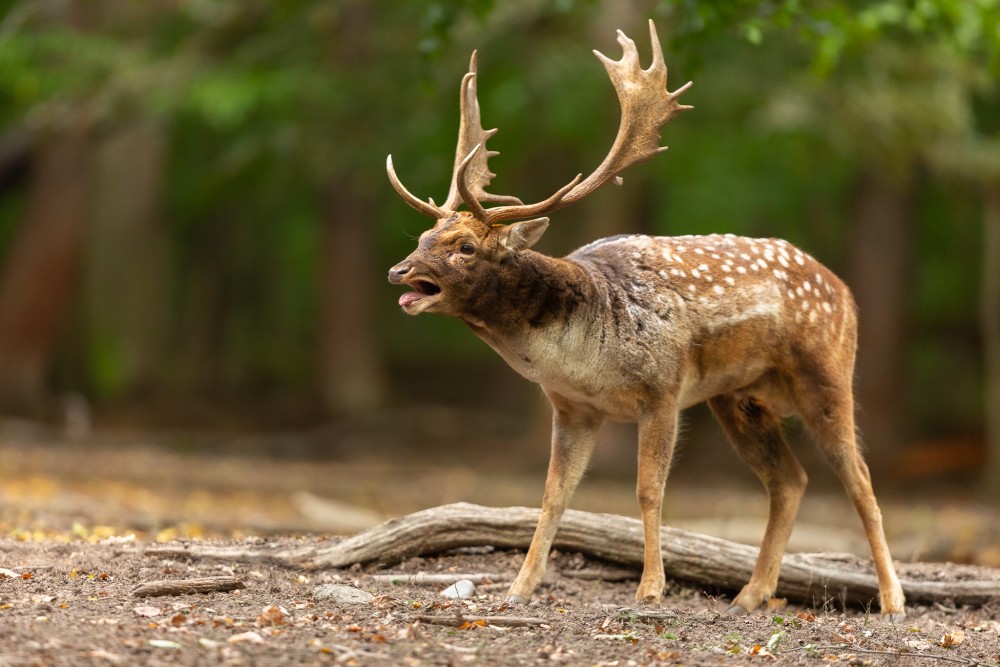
[(265, 105)]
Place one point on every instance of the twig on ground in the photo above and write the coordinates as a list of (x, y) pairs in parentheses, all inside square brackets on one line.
[(514, 621), (418, 578), (187, 586)]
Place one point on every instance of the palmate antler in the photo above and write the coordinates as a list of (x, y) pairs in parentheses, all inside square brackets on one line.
[(646, 106)]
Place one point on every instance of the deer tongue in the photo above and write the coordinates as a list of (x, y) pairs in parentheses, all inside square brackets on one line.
[(410, 297)]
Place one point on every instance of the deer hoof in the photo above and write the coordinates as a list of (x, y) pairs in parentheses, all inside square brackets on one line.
[(736, 610), (517, 599)]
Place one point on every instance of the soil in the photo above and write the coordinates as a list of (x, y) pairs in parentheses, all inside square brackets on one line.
[(70, 603)]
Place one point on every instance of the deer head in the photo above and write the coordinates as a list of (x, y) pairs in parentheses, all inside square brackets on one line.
[(455, 259)]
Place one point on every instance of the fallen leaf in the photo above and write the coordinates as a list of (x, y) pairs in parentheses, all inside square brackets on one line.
[(147, 611), (806, 616), (478, 623), (952, 639), (250, 637), (762, 651), (8, 574), (178, 620), (27, 575), (271, 615)]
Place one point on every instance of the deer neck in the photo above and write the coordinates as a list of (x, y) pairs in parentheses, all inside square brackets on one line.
[(531, 296)]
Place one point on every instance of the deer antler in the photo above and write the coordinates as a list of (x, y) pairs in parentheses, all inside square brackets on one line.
[(471, 174), (646, 105)]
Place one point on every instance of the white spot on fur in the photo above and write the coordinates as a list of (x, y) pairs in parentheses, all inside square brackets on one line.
[(827, 307), (761, 263), (696, 273), (783, 262), (725, 267), (807, 287), (703, 267), (729, 280), (691, 287), (699, 251), (799, 259), (741, 269)]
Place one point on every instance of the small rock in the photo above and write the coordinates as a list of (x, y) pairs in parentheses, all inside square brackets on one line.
[(460, 590), (342, 593), (164, 643)]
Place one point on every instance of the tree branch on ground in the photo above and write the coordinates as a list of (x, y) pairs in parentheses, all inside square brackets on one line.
[(812, 578)]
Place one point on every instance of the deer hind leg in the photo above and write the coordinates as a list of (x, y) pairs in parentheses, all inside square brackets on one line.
[(831, 420), (657, 435), (755, 433), (573, 438)]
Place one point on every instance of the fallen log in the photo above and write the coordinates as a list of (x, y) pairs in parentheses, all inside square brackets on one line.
[(813, 578)]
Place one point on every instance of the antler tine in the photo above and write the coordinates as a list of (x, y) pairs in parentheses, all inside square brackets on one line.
[(554, 202), (428, 209), (461, 183), (468, 183), (646, 107)]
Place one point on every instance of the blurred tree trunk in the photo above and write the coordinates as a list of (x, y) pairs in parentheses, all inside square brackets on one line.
[(879, 265), (39, 275), (351, 374), (125, 279), (990, 313)]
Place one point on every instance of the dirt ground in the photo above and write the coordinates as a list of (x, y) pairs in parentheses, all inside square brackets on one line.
[(71, 604), (78, 516)]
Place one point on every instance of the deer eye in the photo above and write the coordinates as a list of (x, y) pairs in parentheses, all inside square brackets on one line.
[(467, 249)]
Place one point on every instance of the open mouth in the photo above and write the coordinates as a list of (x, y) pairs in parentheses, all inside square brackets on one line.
[(421, 290)]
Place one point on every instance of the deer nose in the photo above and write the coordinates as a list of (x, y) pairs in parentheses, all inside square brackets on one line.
[(397, 272)]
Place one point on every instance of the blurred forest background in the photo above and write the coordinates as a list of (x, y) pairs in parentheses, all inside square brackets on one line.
[(196, 224)]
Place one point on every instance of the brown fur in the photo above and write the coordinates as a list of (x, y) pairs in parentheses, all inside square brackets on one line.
[(637, 328)]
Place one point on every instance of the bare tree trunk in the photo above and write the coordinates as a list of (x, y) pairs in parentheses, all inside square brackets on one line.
[(351, 374), (125, 276), (39, 275), (879, 273), (990, 322)]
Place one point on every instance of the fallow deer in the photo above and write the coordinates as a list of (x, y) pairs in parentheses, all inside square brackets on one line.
[(637, 328)]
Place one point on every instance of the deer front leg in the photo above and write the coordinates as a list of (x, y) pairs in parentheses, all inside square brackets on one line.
[(573, 437), (657, 435)]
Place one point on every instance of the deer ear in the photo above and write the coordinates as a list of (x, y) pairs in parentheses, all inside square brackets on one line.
[(523, 235)]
